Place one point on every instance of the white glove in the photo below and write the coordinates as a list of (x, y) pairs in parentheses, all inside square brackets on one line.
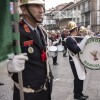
[(17, 64), (65, 39), (81, 45), (55, 42)]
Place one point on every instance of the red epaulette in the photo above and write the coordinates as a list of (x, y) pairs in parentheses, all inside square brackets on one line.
[(25, 26)]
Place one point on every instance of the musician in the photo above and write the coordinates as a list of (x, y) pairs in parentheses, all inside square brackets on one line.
[(78, 70), (90, 32), (54, 39), (82, 31), (37, 77), (64, 36)]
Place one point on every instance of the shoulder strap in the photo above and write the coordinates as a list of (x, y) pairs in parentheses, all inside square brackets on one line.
[(46, 37)]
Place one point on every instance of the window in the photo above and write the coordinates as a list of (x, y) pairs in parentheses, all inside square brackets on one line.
[(98, 17)]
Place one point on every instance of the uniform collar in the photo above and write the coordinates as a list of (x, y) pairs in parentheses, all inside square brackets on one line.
[(30, 25)]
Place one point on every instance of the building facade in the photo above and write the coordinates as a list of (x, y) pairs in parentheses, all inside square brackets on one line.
[(83, 12)]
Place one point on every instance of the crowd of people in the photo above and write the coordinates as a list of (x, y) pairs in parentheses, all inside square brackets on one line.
[(57, 38), (73, 39)]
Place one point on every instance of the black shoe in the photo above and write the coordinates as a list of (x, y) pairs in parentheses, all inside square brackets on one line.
[(1, 84), (55, 64), (83, 97)]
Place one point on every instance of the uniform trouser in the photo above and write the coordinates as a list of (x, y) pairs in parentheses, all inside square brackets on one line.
[(54, 59), (42, 95), (64, 51), (78, 84)]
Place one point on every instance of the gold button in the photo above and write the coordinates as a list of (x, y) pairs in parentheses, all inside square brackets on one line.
[(28, 86)]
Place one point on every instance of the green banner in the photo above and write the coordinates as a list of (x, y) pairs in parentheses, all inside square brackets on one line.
[(6, 33)]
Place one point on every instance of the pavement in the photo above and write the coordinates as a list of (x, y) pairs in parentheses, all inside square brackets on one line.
[(63, 81)]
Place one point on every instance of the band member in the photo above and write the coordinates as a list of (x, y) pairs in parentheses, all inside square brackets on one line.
[(54, 40), (64, 36), (90, 32), (37, 77), (78, 70), (83, 31)]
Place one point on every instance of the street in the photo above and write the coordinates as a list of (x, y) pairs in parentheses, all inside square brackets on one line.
[(63, 82)]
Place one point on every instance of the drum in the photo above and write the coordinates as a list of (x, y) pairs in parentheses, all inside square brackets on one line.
[(60, 48), (53, 51), (90, 56)]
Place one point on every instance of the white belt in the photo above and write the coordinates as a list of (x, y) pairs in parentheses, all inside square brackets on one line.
[(30, 90)]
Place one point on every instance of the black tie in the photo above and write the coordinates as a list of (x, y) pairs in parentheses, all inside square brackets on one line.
[(38, 36)]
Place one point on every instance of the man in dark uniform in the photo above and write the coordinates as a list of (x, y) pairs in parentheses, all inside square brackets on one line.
[(78, 71), (54, 41), (37, 77), (64, 36)]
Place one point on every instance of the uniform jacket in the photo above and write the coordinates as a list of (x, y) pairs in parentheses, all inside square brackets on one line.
[(53, 39), (72, 45), (63, 36), (35, 72), (73, 56)]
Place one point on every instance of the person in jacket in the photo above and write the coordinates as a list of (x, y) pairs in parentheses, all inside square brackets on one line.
[(64, 36), (37, 76), (54, 41), (77, 69)]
